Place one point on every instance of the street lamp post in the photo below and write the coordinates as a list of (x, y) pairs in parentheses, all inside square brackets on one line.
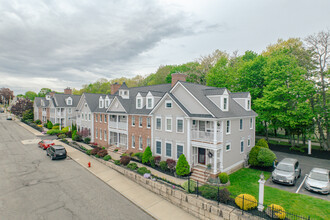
[(261, 192)]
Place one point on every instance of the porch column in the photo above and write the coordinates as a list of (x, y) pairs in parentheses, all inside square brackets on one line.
[(117, 121), (215, 132), (221, 159), (215, 162), (118, 139), (188, 156)]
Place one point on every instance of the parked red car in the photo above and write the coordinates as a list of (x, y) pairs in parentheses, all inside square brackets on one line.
[(44, 144)]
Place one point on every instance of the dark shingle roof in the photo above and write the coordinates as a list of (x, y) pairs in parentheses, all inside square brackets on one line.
[(235, 110), (60, 100), (37, 100), (240, 94)]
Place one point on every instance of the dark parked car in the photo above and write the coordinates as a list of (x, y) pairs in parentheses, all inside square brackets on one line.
[(56, 152)]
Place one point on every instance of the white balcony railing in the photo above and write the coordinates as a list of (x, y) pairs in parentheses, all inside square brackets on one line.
[(206, 136), (118, 125)]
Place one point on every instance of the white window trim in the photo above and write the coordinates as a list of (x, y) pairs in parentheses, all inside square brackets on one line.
[(149, 125), (148, 138), (152, 102), (96, 131), (168, 101), (161, 143), (140, 143), (229, 127), (241, 129), (181, 144), (100, 134), (89, 116), (240, 147), (139, 98), (251, 123), (223, 103), (70, 111), (96, 117), (133, 141), (140, 124), (105, 118), (166, 124), (169, 142), (229, 146), (249, 140), (158, 117), (179, 118), (133, 121)]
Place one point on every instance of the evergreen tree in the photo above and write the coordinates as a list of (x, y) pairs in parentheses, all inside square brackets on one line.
[(182, 167)]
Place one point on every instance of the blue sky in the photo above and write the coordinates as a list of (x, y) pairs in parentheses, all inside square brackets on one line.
[(60, 43)]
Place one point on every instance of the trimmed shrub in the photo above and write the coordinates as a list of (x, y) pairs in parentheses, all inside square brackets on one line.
[(266, 157), (132, 166), (74, 133), (253, 156), (49, 125), (56, 127), (223, 177), (163, 165), (157, 160), (95, 150), (66, 129), (249, 201), (88, 152), (171, 164), (182, 167), (107, 157), (45, 125), (146, 155), (224, 195), (276, 211), (125, 160), (87, 140), (62, 136), (143, 170), (262, 143), (54, 132), (56, 124), (209, 191), (77, 137), (102, 153), (69, 134), (117, 162), (152, 162), (38, 122), (192, 186), (138, 155), (97, 156)]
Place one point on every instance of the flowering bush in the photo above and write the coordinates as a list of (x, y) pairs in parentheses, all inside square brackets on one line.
[(276, 211), (249, 201)]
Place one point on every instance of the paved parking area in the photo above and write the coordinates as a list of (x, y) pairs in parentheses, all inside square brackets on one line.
[(306, 164)]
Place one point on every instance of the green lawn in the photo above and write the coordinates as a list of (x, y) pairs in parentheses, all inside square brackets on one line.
[(245, 180)]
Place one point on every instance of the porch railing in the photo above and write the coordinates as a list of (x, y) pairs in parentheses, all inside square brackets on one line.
[(207, 136)]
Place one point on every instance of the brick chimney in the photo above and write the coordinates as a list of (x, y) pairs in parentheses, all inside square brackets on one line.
[(68, 91), (114, 88), (178, 77)]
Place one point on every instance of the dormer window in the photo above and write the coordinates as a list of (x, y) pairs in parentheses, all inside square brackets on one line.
[(149, 102), (225, 103), (248, 104), (124, 93), (139, 102), (101, 103), (69, 101)]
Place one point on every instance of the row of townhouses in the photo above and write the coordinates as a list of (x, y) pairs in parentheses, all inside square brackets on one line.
[(211, 126)]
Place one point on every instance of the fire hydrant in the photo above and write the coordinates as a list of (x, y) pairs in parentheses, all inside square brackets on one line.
[(89, 164)]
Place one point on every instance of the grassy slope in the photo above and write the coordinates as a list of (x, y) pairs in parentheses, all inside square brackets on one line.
[(246, 181)]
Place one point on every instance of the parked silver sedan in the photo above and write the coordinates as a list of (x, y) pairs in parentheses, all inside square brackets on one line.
[(318, 181)]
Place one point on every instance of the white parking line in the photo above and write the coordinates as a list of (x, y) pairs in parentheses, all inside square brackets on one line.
[(301, 184)]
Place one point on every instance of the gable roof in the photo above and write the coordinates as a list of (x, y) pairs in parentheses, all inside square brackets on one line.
[(37, 101), (60, 100)]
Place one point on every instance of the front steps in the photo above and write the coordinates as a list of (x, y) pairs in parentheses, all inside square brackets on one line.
[(200, 174)]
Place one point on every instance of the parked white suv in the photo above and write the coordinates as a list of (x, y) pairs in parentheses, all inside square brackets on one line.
[(287, 171), (318, 181)]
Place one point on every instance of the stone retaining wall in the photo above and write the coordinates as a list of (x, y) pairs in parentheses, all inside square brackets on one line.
[(197, 206)]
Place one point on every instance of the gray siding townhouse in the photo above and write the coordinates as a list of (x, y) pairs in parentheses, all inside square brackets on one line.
[(211, 126), (84, 113)]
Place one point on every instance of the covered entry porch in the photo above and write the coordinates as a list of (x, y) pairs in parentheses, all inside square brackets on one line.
[(207, 158)]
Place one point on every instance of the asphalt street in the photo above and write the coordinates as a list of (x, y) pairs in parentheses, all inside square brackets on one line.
[(306, 164), (34, 187)]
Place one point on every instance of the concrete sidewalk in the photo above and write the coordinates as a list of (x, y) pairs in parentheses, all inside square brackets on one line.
[(153, 204)]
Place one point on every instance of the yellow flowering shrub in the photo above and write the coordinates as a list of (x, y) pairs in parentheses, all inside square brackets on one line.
[(40, 126), (276, 211), (249, 201)]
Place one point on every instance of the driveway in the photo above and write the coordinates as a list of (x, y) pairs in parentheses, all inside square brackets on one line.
[(306, 164)]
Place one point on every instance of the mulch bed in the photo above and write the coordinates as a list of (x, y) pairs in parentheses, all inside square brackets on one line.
[(286, 149)]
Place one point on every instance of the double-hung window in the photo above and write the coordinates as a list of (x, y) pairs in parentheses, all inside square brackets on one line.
[(179, 150), (140, 143), (242, 146), (241, 124), (140, 121), (168, 124), (179, 125), (133, 141), (228, 127), (148, 122), (159, 123), (168, 149), (158, 147), (133, 120)]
